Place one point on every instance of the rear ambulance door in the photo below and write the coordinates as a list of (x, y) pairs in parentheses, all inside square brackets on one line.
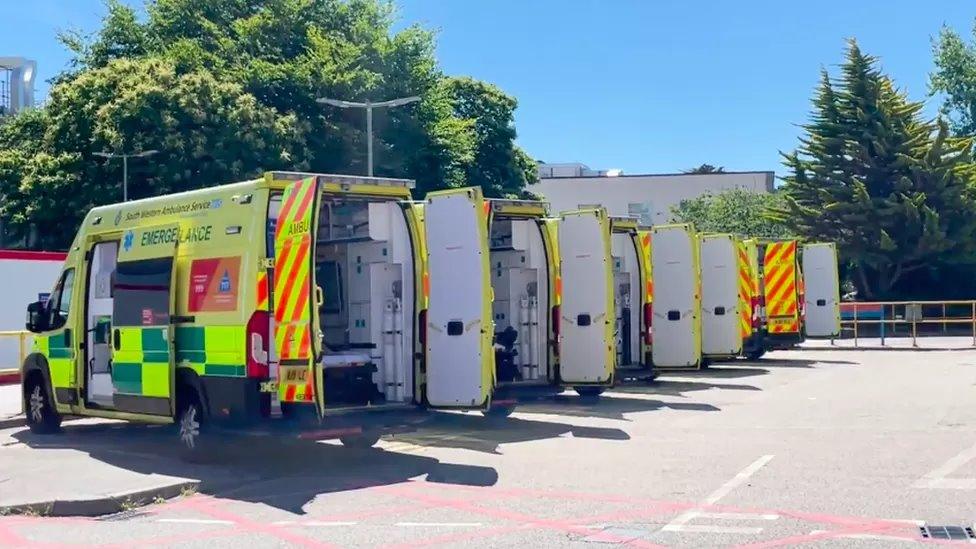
[(550, 228), (296, 296), (720, 296), (460, 359), (143, 371), (677, 281), (822, 299), (647, 297), (745, 283), (588, 345), (780, 287)]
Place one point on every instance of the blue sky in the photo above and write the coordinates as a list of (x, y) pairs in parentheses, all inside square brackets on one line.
[(646, 86)]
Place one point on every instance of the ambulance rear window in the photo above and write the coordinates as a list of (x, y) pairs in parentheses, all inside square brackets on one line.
[(274, 208)]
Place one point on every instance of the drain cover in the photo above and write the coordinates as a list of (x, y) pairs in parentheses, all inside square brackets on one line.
[(955, 533)]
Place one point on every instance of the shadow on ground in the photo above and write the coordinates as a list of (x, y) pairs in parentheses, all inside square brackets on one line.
[(287, 472)]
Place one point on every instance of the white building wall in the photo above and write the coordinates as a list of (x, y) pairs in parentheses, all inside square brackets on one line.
[(650, 197), (25, 276)]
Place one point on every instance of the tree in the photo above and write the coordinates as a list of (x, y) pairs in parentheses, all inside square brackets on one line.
[(955, 77), (736, 211), (500, 167), (894, 191), (705, 168), (227, 88)]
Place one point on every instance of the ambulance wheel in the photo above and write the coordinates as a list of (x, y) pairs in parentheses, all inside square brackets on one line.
[(360, 441), (496, 411), (755, 354), (588, 391), (190, 423), (704, 363), (42, 417)]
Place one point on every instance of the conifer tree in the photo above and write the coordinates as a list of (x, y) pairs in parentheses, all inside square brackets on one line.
[(893, 190)]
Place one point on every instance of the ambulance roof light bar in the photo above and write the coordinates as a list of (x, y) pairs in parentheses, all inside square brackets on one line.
[(345, 179)]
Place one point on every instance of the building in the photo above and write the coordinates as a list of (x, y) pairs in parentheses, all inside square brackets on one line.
[(17, 76), (648, 196)]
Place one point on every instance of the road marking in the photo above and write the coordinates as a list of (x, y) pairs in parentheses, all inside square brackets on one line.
[(738, 516), (196, 521), (442, 524), (937, 478), (679, 522), (867, 536), (313, 523), (694, 529)]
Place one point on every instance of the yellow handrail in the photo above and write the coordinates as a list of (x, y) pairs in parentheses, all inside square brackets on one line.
[(911, 315), (21, 336)]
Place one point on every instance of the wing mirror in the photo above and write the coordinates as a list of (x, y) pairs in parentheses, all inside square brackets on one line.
[(37, 317)]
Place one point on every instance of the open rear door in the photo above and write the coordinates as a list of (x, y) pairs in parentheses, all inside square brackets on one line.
[(588, 345), (296, 296), (721, 335), (143, 372), (822, 300), (460, 360), (677, 302)]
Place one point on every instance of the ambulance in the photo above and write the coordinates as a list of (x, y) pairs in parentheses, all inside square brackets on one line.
[(726, 312), (631, 249), (753, 346), (518, 300), (288, 294), (821, 296), (677, 288), (780, 294)]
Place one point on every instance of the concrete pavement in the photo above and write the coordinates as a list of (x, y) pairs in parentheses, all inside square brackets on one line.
[(847, 448), (10, 415)]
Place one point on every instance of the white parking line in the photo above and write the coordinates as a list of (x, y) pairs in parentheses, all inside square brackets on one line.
[(868, 536), (696, 529), (441, 524), (313, 523), (195, 521), (679, 522), (738, 516), (937, 478)]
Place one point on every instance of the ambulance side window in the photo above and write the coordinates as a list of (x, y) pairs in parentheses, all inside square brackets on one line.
[(60, 300), (274, 208)]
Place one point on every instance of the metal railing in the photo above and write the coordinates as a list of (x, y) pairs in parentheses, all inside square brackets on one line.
[(914, 319), (22, 337)]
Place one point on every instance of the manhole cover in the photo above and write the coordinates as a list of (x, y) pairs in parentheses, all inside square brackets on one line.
[(954, 533)]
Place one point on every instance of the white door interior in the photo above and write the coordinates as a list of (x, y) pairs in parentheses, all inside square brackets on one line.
[(459, 310), (99, 322), (675, 284), (587, 306), (822, 300), (720, 298)]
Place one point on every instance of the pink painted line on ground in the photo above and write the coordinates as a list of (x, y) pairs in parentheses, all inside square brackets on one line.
[(214, 510)]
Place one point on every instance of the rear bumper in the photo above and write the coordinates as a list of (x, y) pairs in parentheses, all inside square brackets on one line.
[(782, 341)]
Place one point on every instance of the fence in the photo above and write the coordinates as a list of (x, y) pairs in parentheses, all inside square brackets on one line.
[(909, 319)]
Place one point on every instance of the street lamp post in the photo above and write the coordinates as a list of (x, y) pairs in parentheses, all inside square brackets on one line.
[(369, 106), (125, 166)]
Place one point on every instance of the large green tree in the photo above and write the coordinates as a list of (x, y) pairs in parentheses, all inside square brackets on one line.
[(227, 88), (893, 190), (954, 78), (736, 211)]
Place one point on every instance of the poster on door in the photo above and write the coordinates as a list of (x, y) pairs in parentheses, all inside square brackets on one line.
[(213, 285)]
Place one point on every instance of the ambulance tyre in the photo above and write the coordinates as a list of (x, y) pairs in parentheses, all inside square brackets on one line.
[(499, 411), (589, 391), (755, 354), (42, 417), (360, 441), (190, 422)]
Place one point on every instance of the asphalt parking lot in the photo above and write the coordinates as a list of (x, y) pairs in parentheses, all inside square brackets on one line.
[(826, 448)]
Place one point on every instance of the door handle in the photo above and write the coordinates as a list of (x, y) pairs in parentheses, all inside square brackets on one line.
[(116, 339)]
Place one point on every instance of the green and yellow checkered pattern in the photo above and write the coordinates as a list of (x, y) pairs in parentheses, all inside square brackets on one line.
[(212, 350)]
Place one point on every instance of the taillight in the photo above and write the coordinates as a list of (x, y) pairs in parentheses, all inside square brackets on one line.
[(648, 323), (755, 312), (422, 321), (555, 329), (257, 340)]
